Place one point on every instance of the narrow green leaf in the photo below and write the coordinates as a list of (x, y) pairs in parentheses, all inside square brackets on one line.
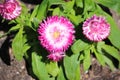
[(71, 65), (35, 23), (77, 76), (107, 49), (17, 45), (81, 56), (56, 11), (113, 4), (99, 57), (99, 46), (55, 2), (52, 68), (75, 19), (79, 3), (87, 60), (42, 10), (61, 75), (109, 62), (89, 5), (12, 22), (16, 27), (34, 13), (78, 46), (26, 47), (115, 31), (39, 67), (68, 6), (112, 51)]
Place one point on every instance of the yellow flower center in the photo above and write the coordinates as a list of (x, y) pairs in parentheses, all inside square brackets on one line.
[(56, 34)]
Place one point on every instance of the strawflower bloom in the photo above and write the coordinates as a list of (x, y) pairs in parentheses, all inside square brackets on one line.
[(96, 28), (10, 9), (56, 34), (56, 56)]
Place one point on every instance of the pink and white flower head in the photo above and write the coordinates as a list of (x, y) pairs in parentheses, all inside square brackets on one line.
[(10, 9), (56, 56), (56, 34), (96, 28)]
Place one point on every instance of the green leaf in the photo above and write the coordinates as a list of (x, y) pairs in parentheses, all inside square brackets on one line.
[(99, 46), (107, 49), (75, 19), (77, 75), (68, 6), (113, 4), (39, 67), (109, 62), (115, 32), (99, 57), (52, 68), (17, 45), (112, 51), (55, 2), (35, 24), (89, 5), (87, 60), (56, 11), (14, 28), (81, 56), (34, 13), (61, 75), (71, 66), (42, 10), (79, 3), (26, 47), (78, 46)]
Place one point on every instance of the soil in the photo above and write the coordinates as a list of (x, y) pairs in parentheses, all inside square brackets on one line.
[(11, 69)]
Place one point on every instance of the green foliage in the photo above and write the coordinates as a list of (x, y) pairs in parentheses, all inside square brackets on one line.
[(56, 11), (79, 46), (108, 50), (115, 31), (39, 67), (111, 51), (75, 19), (42, 10), (25, 42), (71, 65), (99, 57), (14, 28), (87, 60), (109, 62), (61, 75), (19, 45), (68, 6), (79, 3), (112, 4), (52, 68)]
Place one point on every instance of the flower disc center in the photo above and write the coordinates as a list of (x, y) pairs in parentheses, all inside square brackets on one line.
[(56, 34)]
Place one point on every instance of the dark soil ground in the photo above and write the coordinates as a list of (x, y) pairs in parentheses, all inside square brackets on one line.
[(11, 69)]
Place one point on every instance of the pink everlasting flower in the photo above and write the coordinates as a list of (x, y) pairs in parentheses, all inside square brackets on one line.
[(56, 35), (57, 56), (10, 9), (96, 28)]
